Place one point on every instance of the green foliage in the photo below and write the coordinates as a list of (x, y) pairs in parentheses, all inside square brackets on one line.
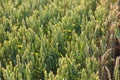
[(53, 39)]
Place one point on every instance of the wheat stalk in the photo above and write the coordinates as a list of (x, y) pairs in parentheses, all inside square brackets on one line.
[(103, 64), (116, 69)]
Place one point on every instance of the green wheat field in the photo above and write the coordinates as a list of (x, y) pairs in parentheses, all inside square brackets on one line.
[(59, 40)]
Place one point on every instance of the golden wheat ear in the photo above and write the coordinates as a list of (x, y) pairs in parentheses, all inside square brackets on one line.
[(107, 54)]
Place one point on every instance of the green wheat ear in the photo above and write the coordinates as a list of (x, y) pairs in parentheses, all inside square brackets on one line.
[(117, 69)]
